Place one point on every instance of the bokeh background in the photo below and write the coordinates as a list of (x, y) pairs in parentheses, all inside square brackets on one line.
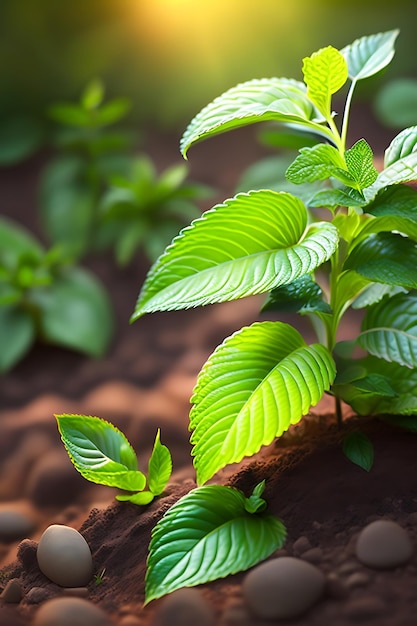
[(173, 56)]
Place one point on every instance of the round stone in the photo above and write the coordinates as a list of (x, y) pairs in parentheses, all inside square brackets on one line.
[(14, 524), (64, 556), (384, 544), (283, 588), (184, 606), (70, 611)]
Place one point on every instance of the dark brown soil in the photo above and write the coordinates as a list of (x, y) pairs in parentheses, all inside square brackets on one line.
[(144, 383)]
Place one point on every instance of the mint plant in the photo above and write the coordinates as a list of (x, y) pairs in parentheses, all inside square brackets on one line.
[(45, 298), (265, 377), (145, 210), (101, 453)]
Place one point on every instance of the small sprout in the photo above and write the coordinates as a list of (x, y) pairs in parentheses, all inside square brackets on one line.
[(98, 578)]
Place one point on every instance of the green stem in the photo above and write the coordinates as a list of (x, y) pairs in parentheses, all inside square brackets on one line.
[(347, 112), (338, 411)]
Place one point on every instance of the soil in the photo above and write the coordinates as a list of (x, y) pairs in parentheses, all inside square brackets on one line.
[(144, 383)]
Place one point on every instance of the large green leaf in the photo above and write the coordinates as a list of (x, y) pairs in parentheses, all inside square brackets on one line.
[(259, 100), (396, 200), (389, 330), (75, 312), (368, 55), (17, 333), (15, 241), (386, 258), (402, 171), (100, 452), (402, 145), (325, 72), (248, 245), (206, 535), (254, 386)]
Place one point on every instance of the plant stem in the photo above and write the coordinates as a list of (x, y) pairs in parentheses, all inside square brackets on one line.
[(346, 112), (338, 411)]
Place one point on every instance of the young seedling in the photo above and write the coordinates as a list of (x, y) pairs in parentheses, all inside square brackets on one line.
[(265, 377), (103, 455), (44, 297), (145, 210)]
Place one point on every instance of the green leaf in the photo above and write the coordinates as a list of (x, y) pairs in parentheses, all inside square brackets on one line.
[(333, 198), (255, 503), (100, 452), (160, 467), (318, 163), (292, 298), (359, 449), (75, 312), (389, 330), (248, 245), (254, 386), (403, 381), (325, 72), (20, 137), (402, 171), (112, 111), (93, 94), (374, 293), (142, 498), (70, 114), (206, 535), (17, 334), (395, 103), (397, 200), (279, 99), (359, 160), (386, 258), (407, 422), (404, 144), (15, 242), (369, 55)]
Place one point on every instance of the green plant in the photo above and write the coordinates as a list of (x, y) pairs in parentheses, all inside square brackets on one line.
[(265, 377), (103, 455), (144, 209), (44, 297)]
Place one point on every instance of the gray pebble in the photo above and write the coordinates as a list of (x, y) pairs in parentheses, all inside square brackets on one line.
[(301, 545), (357, 579), (37, 595), (314, 555), (14, 524), (384, 544), (70, 611), (283, 588), (64, 556), (184, 607)]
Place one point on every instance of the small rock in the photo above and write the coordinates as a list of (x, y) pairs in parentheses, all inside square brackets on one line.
[(301, 545), (185, 607), (54, 481), (336, 587), (357, 579), (14, 524), (384, 544), (283, 588), (364, 609), (70, 611), (12, 593), (314, 555), (64, 556), (348, 567), (37, 595)]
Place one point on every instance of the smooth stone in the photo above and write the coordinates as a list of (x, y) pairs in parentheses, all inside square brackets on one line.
[(283, 588), (64, 556), (301, 545), (14, 524), (12, 593), (71, 612), (54, 481), (184, 607), (384, 544)]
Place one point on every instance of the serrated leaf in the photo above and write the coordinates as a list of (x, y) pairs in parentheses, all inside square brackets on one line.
[(333, 198), (389, 330), (359, 449), (208, 534), (160, 467), (397, 200), (100, 452), (359, 160), (303, 292), (278, 99), (404, 144), (368, 55), (248, 245), (254, 386), (402, 171), (318, 163), (386, 258), (325, 72)]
